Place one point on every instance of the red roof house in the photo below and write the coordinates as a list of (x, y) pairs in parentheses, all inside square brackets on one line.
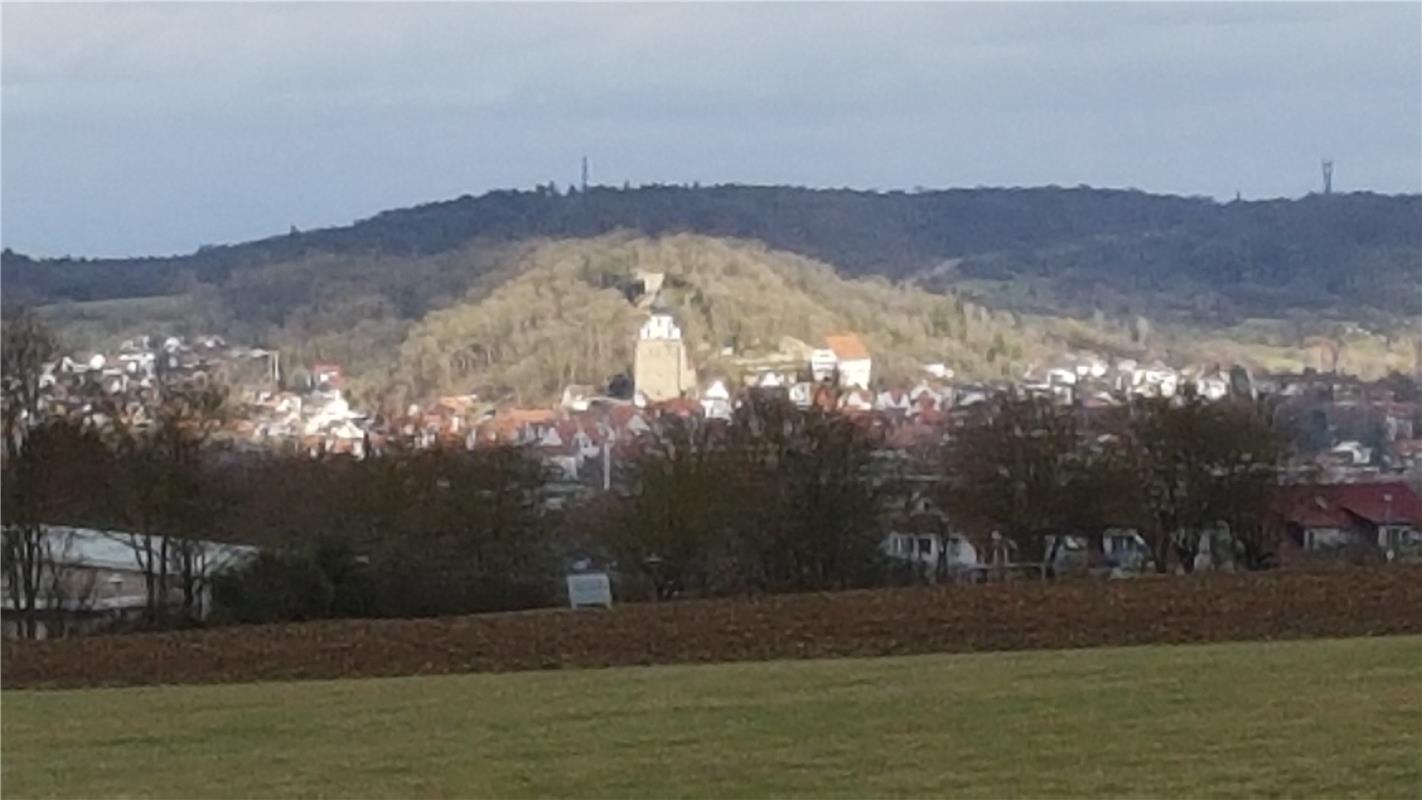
[(1385, 516)]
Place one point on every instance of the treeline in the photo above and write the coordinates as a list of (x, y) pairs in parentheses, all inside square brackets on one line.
[(413, 534), (1182, 473), (777, 499), (1243, 258)]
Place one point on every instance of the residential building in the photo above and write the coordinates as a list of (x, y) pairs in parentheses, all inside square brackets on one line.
[(1382, 518), (849, 357), (716, 401)]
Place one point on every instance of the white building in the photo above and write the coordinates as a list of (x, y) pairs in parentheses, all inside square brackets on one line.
[(939, 370), (823, 364), (716, 401), (1212, 387), (932, 552), (802, 393), (94, 576), (845, 355)]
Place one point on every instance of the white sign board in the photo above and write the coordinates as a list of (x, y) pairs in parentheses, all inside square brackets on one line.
[(589, 589)]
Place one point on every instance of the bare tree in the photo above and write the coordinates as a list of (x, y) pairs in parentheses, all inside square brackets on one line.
[(70, 589), (809, 517), (163, 469), (26, 345), (665, 528), (1018, 468), (778, 499), (1201, 465)]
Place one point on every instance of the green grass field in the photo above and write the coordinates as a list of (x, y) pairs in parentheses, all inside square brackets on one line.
[(1302, 719)]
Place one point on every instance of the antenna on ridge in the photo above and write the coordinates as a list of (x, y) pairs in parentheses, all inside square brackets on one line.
[(1328, 176), (585, 175)]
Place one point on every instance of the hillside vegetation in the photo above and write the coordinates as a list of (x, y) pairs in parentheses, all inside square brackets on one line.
[(1354, 257), (515, 294), (563, 317), (518, 322)]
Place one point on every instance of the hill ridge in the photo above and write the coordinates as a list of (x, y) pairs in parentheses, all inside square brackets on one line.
[(1280, 253)]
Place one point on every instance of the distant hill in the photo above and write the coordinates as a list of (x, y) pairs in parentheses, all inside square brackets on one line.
[(1355, 257), (520, 321), (516, 294), (565, 315)]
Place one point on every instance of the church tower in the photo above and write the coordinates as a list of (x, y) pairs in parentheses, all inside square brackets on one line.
[(663, 369)]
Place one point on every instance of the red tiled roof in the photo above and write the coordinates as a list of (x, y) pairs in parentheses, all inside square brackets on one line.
[(1310, 510), (1329, 505), (681, 406), (527, 415), (907, 437), (846, 346), (931, 416), (620, 415), (1381, 502), (456, 403), (1407, 447)]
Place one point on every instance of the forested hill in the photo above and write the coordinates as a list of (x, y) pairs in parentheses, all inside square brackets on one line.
[(1046, 249)]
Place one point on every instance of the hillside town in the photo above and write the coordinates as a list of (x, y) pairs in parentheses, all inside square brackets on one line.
[(1352, 479), (742, 400), (1352, 430)]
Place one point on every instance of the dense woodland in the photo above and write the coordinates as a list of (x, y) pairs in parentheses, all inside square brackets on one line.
[(1343, 253), (517, 294)]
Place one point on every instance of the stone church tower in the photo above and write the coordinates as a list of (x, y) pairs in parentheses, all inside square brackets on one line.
[(663, 369)]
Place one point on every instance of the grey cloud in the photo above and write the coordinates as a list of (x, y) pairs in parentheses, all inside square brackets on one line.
[(317, 113)]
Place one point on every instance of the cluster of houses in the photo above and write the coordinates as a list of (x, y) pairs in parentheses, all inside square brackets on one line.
[(1360, 522), (1360, 500), (122, 386), (319, 420), (1362, 431), (1091, 380), (1359, 431)]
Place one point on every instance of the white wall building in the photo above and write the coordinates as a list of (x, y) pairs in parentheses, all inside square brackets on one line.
[(716, 401), (851, 360), (931, 551), (94, 576)]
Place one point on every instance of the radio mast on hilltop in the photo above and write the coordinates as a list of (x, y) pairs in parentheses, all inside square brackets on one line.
[(1328, 176), (585, 175)]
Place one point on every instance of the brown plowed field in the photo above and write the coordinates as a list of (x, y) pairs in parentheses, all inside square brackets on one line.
[(1019, 615)]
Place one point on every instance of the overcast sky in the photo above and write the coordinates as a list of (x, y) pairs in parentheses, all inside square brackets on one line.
[(153, 129)]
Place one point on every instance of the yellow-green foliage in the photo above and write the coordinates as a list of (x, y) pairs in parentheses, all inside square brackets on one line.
[(101, 324), (1367, 354), (520, 321), (563, 318)]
